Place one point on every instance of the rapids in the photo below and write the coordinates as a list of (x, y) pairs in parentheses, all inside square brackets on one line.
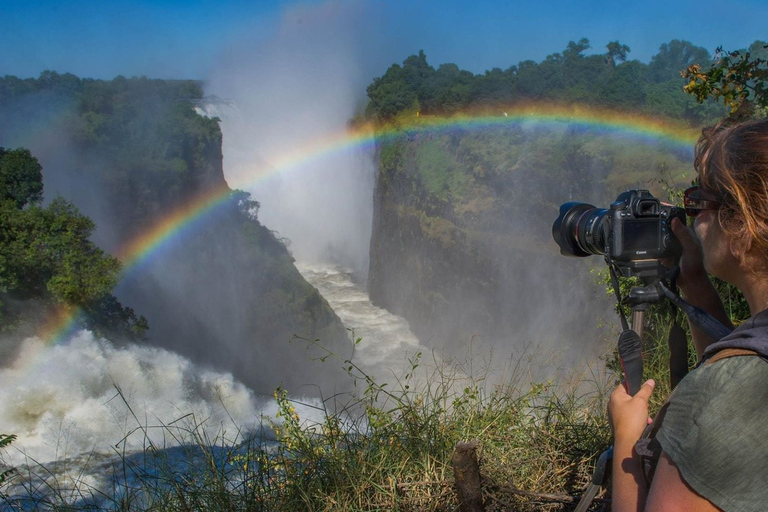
[(386, 339), (82, 402)]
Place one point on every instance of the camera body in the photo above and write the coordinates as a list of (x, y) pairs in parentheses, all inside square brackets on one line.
[(633, 234), (639, 228)]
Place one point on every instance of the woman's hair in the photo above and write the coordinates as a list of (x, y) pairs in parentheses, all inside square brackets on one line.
[(732, 163)]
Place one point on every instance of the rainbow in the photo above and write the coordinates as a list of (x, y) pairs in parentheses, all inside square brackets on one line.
[(184, 218)]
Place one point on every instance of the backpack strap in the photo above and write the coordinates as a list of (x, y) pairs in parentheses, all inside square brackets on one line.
[(648, 447), (729, 352)]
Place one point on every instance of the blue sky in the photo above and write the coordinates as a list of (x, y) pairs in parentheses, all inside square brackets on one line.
[(186, 39)]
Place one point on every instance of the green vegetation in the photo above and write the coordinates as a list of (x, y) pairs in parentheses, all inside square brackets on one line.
[(46, 255), (738, 78), (440, 178), (6, 473), (606, 79), (384, 447)]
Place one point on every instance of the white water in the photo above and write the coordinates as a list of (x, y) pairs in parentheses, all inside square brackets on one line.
[(86, 399), (63, 401), (386, 338)]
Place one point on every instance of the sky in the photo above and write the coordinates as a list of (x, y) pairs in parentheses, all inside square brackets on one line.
[(188, 38)]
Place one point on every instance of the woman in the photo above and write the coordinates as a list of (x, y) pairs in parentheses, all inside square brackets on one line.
[(714, 435)]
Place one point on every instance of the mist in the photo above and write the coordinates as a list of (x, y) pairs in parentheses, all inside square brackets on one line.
[(281, 96), (282, 93)]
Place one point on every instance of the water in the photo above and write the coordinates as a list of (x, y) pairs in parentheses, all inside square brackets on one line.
[(81, 407), (86, 395), (386, 339)]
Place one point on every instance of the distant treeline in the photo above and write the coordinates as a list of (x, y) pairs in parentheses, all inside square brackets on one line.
[(607, 79), (138, 137)]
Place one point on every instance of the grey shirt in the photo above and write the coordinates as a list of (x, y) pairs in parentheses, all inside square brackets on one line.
[(716, 432)]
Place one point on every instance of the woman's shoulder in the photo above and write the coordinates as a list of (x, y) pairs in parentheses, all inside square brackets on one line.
[(714, 430), (739, 378), (740, 373)]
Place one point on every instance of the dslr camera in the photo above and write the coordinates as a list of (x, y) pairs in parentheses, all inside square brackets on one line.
[(633, 234)]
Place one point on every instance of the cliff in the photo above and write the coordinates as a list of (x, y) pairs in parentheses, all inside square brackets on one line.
[(461, 243), (222, 290)]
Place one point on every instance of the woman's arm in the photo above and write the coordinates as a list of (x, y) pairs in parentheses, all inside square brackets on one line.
[(628, 491), (670, 493), (629, 417), (695, 285)]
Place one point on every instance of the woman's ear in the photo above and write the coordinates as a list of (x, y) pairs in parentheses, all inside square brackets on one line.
[(740, 245)]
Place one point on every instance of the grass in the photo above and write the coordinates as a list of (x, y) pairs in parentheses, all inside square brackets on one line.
[(385, 447)]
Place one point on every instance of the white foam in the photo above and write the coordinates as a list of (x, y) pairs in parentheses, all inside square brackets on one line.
[(63, 400), (387, 340)]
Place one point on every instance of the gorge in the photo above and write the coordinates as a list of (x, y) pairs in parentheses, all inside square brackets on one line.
[(437, 202)]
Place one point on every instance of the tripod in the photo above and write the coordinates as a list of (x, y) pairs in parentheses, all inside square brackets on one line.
[(658, 284), (631, 356)]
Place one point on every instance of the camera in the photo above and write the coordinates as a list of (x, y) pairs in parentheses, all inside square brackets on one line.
[(633, 234)]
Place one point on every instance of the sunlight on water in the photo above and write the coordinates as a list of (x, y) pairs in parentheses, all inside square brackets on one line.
[(87, 395)]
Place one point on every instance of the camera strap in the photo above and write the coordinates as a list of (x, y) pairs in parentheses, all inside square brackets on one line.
[(711, 326), (677, 341)]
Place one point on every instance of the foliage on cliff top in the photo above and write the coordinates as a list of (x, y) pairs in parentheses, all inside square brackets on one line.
[(139, 139), (607, 79)]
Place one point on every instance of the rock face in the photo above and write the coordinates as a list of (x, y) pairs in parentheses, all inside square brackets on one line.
[(221, 290), (462, 245)]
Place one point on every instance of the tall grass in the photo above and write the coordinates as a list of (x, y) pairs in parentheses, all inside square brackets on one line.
[(385, 447)]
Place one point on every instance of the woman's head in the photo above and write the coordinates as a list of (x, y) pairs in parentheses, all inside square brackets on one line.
[(732, 164)]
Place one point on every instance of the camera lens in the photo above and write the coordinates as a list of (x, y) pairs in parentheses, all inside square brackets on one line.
[(578, 230)]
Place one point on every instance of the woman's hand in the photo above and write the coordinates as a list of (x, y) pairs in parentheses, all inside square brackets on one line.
[(695, 285), (629, 414), (692, 272)]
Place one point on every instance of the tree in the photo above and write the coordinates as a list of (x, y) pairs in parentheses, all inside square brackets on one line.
[(574, 51), (449, 89), (673, 57), (621, 86), (617, 52), (21, 177), (45, 253), (604, 79), (737, 78), (390, 94), (416, 70), (759, 50)]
